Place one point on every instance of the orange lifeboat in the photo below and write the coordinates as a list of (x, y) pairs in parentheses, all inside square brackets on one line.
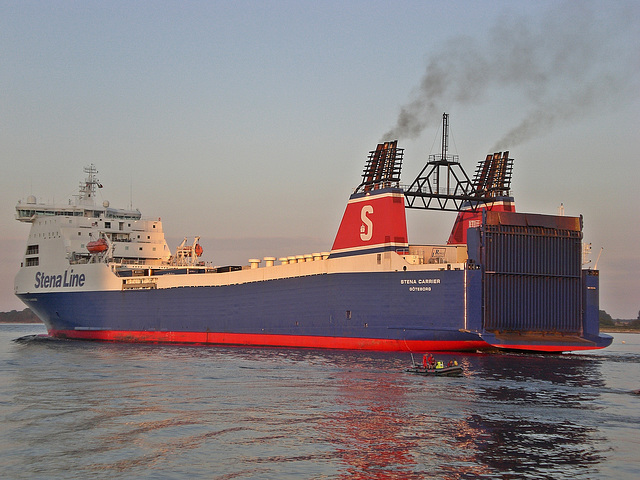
[(198, 249), (97, 246)]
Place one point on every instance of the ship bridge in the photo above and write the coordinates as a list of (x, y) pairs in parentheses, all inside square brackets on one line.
[(83, 205)]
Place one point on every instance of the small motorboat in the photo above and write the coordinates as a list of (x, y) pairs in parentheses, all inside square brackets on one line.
[(432, 367), (452, 371)]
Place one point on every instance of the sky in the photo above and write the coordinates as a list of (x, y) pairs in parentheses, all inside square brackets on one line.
[(249, 122)]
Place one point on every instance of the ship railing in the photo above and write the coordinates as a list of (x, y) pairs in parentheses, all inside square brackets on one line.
[(439, 254), (78, 259), (377, 186)]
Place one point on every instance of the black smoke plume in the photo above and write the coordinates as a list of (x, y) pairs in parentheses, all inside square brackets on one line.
[(573, 62)]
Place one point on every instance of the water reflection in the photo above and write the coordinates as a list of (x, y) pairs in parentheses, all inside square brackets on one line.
[(535, 416), (523, 416), (368, 428), (556, 369), (529, 448)]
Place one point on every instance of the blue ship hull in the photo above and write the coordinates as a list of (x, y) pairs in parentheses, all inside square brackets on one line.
[(386, 311), (394, 311)]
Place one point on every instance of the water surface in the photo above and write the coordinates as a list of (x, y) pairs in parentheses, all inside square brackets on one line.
[(72, 409)]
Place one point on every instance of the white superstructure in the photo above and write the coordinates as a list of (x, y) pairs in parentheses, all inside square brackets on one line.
[(61, 232)]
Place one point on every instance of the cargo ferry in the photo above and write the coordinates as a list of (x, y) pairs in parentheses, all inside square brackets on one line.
[(503, 279)]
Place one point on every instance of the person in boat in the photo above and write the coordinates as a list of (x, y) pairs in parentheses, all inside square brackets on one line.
[(439, 365), (428, 360)]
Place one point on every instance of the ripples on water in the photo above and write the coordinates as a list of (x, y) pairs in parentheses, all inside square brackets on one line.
[(99, 410)]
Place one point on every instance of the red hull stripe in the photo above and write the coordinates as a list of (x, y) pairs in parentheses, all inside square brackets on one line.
[(293, 341)]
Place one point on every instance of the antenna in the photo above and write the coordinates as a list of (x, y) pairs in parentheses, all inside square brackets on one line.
[(87, 191), (445, 134)]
